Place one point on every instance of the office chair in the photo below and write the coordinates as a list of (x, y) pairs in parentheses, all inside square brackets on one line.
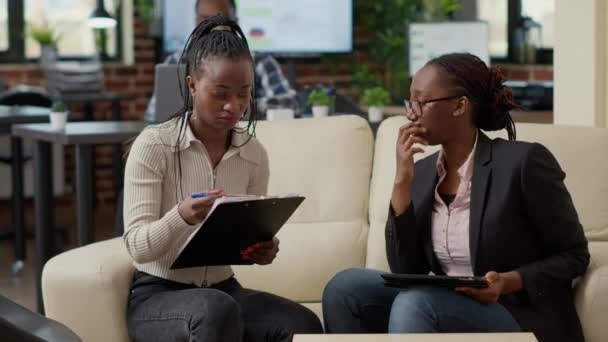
[(21, 96), (26, 96), (20, 324), (3, 86), (345, 104)]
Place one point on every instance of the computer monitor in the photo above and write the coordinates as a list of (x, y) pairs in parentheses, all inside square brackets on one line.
[(274, 26), (430, 40), (311, 26), (167, 91)]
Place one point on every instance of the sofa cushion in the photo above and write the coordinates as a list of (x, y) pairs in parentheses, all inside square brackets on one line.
[(592, 293), (382, 186), (581, 151), (328, 160)]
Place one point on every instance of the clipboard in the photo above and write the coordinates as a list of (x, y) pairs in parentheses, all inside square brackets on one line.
[(232, 225), (405, 280)]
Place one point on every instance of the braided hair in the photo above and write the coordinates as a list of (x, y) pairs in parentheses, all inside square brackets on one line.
[(215, 37), (484, 87)]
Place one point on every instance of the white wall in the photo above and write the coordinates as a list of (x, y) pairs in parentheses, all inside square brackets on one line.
[(580, 72)]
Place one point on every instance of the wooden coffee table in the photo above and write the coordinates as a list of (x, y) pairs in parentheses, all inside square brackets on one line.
[(494, 337)]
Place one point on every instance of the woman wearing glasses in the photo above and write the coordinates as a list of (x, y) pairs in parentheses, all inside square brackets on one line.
[(492, 208)]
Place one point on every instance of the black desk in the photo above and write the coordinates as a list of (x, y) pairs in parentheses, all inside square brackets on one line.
[(10, 115), (84, 135)]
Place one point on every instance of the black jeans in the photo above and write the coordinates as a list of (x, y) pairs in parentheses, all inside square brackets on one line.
[(163, 310)]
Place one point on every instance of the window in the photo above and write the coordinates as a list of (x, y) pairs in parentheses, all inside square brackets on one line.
[(495, 13), (543, 12), (3, 25), (504, 16), (67, 18)]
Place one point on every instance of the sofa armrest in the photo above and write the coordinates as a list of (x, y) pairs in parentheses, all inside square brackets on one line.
[(87, 289), (592, 294)]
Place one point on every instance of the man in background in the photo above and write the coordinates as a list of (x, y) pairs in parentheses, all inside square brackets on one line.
[(272, 88)]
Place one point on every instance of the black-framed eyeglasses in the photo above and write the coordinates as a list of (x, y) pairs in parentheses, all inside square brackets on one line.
[(416, 106)]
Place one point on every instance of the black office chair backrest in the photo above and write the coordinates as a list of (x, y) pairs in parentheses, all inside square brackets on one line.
[(345, 104), (25, 96), (3, 86), (20, 324)]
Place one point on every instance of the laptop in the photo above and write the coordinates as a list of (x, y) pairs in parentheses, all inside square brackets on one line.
[(166, 88)]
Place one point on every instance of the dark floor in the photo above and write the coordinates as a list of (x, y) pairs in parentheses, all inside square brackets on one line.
[(21, 288)]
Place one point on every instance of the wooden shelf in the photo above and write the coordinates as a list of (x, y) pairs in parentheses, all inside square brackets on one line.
[(545, 117), (518, 116)]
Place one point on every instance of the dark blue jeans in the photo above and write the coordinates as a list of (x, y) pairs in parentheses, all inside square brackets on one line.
[(356, 301), (162, 310)]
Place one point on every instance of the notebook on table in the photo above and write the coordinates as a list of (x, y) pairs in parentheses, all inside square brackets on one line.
[(232, 225), (405, 280)]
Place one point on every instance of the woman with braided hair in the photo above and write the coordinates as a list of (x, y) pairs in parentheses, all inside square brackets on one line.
[(497, 208), (201, 149)]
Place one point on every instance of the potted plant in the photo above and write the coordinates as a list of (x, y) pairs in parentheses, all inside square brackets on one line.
[(150, 15), (47, 38), (375, 99), (320, 99), (59, 115), (386, 24)]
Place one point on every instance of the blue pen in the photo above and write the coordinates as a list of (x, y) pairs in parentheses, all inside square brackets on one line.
[(203, 195)]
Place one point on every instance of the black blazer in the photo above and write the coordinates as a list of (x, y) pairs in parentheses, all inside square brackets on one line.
[(521, 219)]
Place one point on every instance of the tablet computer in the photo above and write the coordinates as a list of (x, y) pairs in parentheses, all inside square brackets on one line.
[(405, 280)]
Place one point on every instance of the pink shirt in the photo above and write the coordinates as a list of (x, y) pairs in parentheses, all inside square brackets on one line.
[(450, 224)]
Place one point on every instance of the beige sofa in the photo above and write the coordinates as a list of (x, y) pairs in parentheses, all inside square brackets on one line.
[(346, 178)]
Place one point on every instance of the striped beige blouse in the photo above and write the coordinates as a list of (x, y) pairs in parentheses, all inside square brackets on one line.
[(154, 230)]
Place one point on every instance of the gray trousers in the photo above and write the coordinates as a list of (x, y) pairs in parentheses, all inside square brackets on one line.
[(163, 310)]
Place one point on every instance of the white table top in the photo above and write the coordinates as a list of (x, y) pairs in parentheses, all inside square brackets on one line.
[(494, 337)]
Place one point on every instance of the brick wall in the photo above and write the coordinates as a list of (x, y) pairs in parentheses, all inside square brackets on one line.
[(311, 72), (136, 81), (335, 70)]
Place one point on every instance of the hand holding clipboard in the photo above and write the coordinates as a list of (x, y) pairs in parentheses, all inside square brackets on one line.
[(196, 208), (233, 224)]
